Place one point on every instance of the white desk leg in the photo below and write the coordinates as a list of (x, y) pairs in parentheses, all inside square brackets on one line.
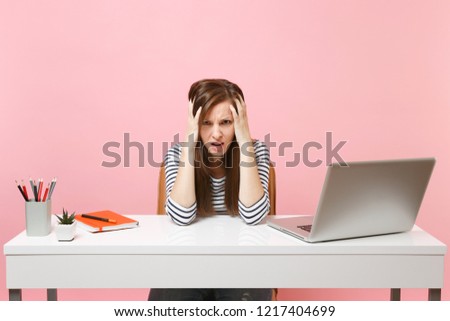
[(434, 294), (395, 294), (15, 294), (52, 295)]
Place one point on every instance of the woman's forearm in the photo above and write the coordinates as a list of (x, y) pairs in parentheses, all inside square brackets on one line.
[(183, 191), (250, 187)]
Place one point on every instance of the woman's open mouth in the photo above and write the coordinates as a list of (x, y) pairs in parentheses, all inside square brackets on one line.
[(215, 147)]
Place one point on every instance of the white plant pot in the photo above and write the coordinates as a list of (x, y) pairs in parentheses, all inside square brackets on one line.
[(66, 232)]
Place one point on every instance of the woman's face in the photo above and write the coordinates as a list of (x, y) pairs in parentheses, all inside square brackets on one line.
[(217, 129)]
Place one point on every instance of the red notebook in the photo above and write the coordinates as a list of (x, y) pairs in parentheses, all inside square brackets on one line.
[(93, 225)]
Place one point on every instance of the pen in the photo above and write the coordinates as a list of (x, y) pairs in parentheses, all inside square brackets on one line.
[(104, 219)]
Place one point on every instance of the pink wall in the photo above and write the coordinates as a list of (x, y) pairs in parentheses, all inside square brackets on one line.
[(77, 74)]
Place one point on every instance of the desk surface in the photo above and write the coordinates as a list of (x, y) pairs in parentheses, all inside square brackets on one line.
[(160, 253), (157, 234)]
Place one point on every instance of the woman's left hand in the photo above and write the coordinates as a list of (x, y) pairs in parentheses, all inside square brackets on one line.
[(241, 128)]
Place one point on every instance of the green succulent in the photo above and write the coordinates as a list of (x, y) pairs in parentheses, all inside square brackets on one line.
[(66, 219)]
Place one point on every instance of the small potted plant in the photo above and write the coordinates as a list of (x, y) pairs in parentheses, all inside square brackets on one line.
[(65, 229)]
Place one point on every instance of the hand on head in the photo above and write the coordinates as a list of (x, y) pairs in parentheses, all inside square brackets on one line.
[(241, 127), (193, 126)]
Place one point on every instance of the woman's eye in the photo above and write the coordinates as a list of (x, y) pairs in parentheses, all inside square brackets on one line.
[(206, 123), (227, 122)]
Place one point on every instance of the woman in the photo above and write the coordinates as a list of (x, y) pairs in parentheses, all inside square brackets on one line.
[(218, 170)]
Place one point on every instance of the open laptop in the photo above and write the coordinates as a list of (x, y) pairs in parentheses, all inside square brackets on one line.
[(364, 199)]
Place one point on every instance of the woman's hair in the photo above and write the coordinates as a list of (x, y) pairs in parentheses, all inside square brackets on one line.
[(207, 93)]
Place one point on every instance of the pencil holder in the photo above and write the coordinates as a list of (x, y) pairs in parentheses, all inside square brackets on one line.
[(38, 218)]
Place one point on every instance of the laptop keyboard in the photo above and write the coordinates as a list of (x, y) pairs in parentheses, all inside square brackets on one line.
[(305, 227)]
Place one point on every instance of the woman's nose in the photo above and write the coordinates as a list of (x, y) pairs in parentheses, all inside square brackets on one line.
[(216, 132)]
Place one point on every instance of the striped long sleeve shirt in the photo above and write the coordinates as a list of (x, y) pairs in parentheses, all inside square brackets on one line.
[(251, 215)]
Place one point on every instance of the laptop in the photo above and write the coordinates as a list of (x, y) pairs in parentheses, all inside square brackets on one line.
[(363, 199)]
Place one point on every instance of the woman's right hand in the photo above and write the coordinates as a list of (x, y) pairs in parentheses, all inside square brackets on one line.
[(193, 126)]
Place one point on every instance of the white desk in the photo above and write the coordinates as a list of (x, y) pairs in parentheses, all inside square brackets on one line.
[(221, 252)]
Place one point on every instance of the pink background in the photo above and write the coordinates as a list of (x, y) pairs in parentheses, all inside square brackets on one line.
[(77, 74)]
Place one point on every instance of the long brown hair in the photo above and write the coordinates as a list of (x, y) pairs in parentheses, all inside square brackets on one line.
[(207, 93)]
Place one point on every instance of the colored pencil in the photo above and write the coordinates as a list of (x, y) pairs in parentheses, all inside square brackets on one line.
[(46, 193), (21, 191), (52, 187), (25, 190)]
